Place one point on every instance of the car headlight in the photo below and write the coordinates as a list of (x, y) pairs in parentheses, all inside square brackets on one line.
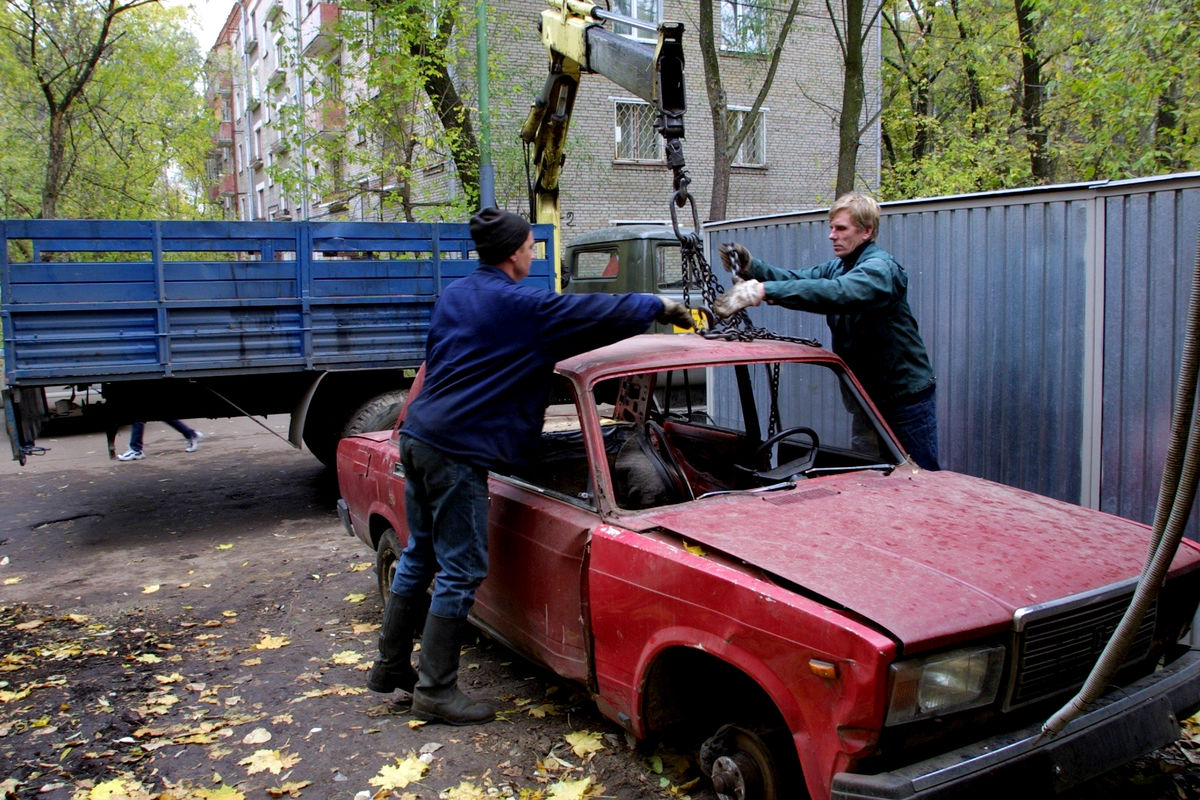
[(943, 683)]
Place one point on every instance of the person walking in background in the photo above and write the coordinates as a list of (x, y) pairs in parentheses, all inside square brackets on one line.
[(135, 451), (863, 294), (490, 354)]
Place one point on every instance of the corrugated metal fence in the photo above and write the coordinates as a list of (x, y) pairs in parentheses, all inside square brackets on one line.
[(1054, 318)]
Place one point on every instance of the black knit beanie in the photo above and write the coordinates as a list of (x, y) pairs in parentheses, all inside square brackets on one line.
[(497, 234)]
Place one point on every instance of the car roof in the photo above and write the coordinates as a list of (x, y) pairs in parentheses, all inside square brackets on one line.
[(661, 351)]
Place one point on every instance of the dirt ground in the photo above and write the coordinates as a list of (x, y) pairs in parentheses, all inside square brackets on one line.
[(199, 625)]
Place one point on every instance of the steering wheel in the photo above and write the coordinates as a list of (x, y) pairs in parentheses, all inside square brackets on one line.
[(789, 469)]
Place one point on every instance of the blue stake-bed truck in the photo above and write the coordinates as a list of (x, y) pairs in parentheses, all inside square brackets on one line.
[(325, 321)]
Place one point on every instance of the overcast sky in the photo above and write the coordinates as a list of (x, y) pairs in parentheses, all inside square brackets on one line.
[(207, 18)]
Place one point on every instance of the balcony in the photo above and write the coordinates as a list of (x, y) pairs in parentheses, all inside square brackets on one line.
[(251, 44), (225, 133), (274, 10), (326, 117), (317, 30), (228, 185)]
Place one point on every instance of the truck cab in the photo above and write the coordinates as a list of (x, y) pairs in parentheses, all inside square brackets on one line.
[(640, 257)]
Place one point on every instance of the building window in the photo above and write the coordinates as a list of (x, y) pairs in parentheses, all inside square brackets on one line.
[(743, 26), (646, 10), (753, 151), (636, 138)]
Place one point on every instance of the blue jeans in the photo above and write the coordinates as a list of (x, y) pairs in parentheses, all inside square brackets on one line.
[(446, 507), (915, 425), (139, 430)]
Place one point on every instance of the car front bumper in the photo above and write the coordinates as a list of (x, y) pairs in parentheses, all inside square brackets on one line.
[(1121, 726)]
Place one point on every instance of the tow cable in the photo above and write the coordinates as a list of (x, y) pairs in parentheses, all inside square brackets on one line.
[(1175, 496)]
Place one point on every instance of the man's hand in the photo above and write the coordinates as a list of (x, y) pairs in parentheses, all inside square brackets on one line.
[(740, 295), (674, 313), (735, 258)]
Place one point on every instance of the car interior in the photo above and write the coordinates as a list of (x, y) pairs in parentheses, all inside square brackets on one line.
[(681, 435)]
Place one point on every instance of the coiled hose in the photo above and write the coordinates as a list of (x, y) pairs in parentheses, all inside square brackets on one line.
[(1175, 497)]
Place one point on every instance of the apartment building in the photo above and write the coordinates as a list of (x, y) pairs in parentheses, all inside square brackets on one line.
[(292, 145)]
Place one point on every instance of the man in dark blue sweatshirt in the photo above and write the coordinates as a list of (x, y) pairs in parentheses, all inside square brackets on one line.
[(490, 357)]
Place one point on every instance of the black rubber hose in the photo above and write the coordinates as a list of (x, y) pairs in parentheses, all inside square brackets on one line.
[(1175, 497)]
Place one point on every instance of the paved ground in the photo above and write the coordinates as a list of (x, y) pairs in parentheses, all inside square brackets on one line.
[(198, 626)]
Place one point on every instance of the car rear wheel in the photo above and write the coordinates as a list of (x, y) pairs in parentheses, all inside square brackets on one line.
[(742, 765), (386, 556)]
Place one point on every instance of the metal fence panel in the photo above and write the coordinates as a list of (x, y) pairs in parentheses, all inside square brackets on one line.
[(1054, 318)]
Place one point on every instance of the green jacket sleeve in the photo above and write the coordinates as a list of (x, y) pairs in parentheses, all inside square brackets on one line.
[(872, 284)]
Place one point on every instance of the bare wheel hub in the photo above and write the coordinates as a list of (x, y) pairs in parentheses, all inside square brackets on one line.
[(736, 777)]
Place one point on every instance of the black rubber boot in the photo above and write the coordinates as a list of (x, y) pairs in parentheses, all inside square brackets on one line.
[(437, 697), (393, 669)]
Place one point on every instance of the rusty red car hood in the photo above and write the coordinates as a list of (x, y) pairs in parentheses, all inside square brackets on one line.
[(926, 555)]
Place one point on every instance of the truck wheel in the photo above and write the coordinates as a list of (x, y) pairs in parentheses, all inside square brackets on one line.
[(377, 414), (386, 556), (330, 422), (743, 765)]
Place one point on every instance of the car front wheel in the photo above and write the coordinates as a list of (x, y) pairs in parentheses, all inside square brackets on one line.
[(742, 765), (386, 556)]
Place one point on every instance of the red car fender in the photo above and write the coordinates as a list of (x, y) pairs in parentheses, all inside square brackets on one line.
[(648, 594)]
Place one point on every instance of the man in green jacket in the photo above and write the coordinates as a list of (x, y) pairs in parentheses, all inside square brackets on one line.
[(863, 295)]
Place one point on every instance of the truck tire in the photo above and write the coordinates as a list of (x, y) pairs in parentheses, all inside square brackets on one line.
[(377, 414), (327, 424)]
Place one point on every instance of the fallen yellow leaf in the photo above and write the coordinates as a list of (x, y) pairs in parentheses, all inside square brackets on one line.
[(13, 580), (464, 791), (346, 657), (224, 547), (400, 774), (354, 598), (108, 790), (272, 643), (269, 761), (150, 588), (361, 566), (222, 792), (291, 788), (569, 790), (541, 711), (585, 742)]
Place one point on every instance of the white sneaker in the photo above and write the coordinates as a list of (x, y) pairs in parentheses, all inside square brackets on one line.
[(193, 442), (131, 455)]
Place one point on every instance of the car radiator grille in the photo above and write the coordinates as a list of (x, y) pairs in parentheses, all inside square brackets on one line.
[(1057, 644)]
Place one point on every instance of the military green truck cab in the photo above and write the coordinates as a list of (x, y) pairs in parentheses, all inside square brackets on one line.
[(626, 258)]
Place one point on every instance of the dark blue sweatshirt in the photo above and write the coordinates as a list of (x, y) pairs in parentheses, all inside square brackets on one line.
[(490, 356)]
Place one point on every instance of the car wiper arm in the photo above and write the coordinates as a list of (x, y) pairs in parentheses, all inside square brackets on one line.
[(855, 468), (774, 487)]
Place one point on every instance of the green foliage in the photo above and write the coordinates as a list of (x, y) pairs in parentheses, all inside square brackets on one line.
[(133, 142), (1118, 79), (401, 81)]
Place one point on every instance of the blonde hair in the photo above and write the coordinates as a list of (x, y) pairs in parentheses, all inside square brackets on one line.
[(864, 211)]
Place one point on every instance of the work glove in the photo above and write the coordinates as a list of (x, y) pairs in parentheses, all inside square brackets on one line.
[(740, 295), (735, 258), (674, 313)]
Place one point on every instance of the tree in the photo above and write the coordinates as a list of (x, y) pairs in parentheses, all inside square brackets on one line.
[(850, 37), (748, 29), (392, 82), (97, 133), (987, 95)]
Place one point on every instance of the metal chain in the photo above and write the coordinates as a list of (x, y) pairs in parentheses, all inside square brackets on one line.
[(697, 272)]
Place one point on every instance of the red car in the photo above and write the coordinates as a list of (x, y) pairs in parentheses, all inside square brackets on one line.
[(723, 542)]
